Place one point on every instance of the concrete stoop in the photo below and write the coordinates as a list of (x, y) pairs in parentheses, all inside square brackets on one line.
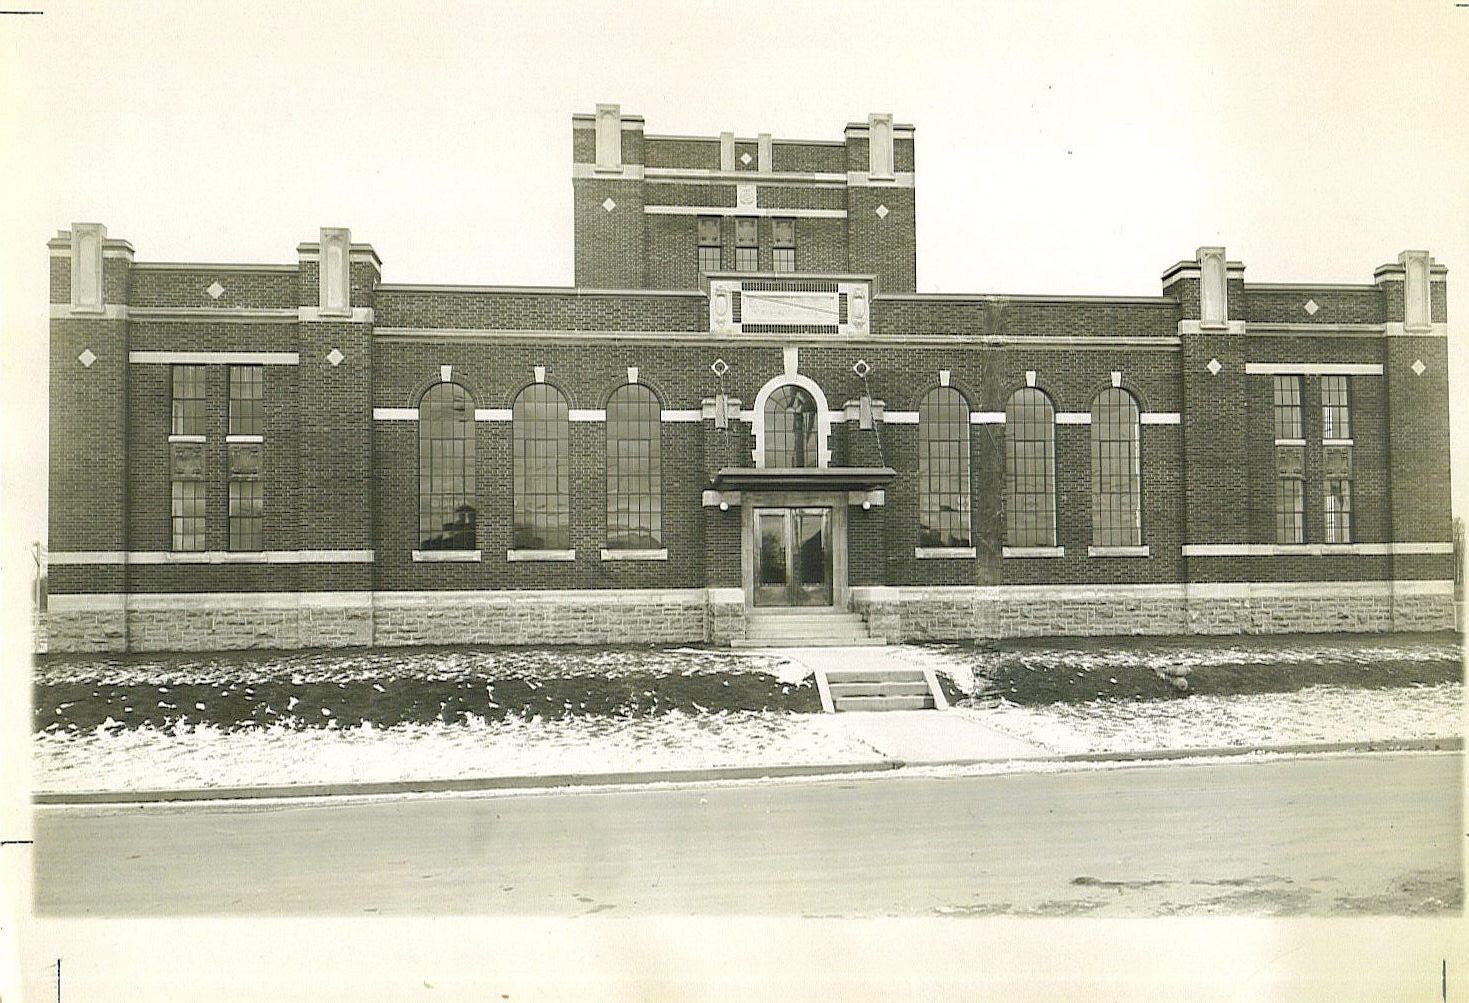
[(797, 628), (881, 689)]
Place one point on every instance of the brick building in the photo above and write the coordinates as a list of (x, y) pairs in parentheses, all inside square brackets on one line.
[(741, 421)]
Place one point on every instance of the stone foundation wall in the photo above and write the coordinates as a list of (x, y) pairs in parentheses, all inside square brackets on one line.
[(591, 617)]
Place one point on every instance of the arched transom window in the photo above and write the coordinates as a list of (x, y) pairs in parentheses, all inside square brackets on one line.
[(1030, 469), (541, 469), (446, 502), (790, 428), (943, 469), (634, 470), (1117, 519)]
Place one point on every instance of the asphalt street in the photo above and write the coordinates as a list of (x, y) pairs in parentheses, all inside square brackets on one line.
[(1377, 834)]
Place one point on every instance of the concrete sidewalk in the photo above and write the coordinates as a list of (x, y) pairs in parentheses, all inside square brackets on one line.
[(925, 737)]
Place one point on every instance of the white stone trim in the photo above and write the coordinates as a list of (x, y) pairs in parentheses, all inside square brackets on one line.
[(232, 315), (449, 556), (1073, 417), (586, 414), (730, 210), (941, 553), (526, 554), (312, 314), (216, 358), (1333, 442), (188, 438), (1397, 329), (986, 417), (1033, 552), (863, 179), (493, 414), (661, 554), (244, 438), (1312, 549), (1313, 368), (1194, 327), (399, 414), (1118, 551), (110, 311), (681, 414), (1167, 343), (627, 172), (1290, 442), (708, 175), (1160, 418), (210, 556), (903, 417)]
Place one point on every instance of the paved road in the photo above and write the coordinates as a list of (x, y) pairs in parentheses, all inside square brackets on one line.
[(1373, 834)]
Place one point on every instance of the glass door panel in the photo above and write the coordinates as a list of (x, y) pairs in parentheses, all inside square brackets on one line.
[(793, 557)]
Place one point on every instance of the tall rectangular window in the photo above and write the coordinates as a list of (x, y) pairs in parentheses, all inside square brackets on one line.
[(188, 400), (1336, 417), (188, 515), (1288, 423), (247, 519), (1338, 494), (634, 470), (709, 241), (747, 244), (1290, 494), (943, 469), (246, 384), (1030, 469), (783, 239)]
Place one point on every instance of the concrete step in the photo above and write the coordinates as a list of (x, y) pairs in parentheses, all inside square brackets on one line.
[(882, 703), (821, 620), (887, 688), (814, 641), (876, 676)]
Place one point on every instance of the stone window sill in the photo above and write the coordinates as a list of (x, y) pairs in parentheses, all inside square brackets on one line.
[(635, 555), (1034, 552), (243, 557), (1337, 442), (188, 438), (940, 553), (186, 556), (1117, 551), (1290, 442), (540, 555), (432, 556), (244, 438)]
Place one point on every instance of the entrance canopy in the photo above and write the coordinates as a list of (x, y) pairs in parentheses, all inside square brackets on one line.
[(802, 478)]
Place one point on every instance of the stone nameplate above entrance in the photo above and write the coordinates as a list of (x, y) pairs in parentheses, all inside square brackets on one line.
[(839, 306)]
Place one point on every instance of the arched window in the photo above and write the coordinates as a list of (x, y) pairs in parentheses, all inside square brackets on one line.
[(541, 469), (634, 470), (1030, 469), (446, 502), (943, 469), (1117, 519), (790, 428)]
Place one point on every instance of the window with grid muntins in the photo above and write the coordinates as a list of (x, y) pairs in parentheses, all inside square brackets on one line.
[(541, 469), (783, 240), (1290, 510), (446, 498), (188, 515), (247, 384), (747, 245), (709, 244), (634, 470), (1336, 418), (943, 469), (1117, 519), (247, 518), (1288, 408), (1030, 469), (188, 400), (1338, 510), (790, 428)]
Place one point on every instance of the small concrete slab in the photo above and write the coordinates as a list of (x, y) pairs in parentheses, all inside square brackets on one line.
[(918, 737)]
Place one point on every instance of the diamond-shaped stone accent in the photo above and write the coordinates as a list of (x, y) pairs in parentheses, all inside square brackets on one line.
[(608, 204), (720, 367), (1214, 366), (745, 159), (335, 356), (882, 212), (861, 368), (1418, 367), (215, 290), (87, 358), (1311, 307)]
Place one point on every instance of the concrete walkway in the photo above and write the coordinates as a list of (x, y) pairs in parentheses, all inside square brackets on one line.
[(911, 736)]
